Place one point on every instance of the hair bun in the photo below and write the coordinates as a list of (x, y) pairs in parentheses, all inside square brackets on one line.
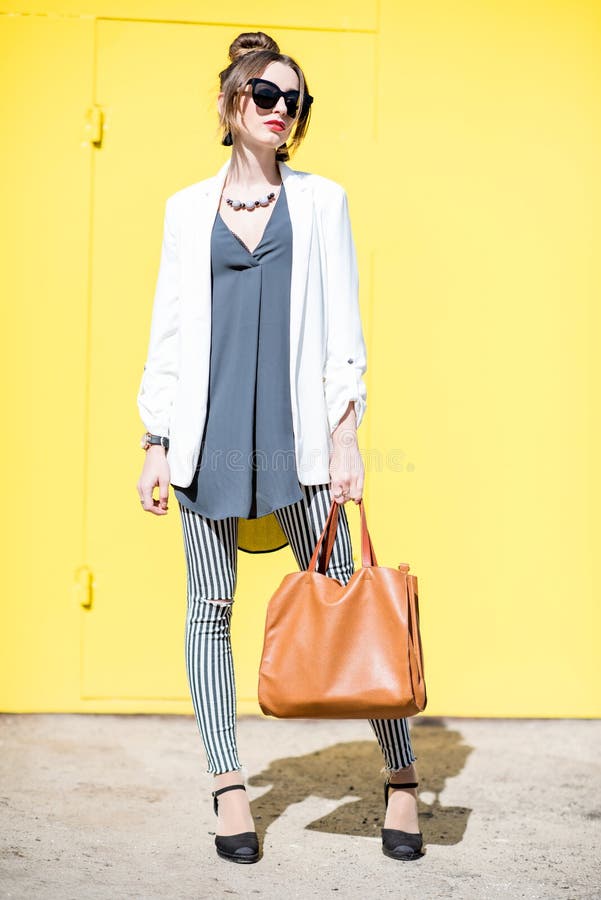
[(251, 40)]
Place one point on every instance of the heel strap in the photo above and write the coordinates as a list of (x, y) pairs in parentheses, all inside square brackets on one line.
[(406, 784), (388, 785), (228, 787)]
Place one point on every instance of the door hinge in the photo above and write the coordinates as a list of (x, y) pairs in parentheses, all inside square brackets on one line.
[(94, 125), (84, 586)]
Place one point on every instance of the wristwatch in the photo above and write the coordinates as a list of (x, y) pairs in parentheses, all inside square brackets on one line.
[(149, 439)]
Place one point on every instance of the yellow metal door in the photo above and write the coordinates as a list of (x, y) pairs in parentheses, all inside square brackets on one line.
[(155, 112)]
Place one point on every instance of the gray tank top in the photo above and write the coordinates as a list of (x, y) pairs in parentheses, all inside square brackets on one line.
[(247, 464)]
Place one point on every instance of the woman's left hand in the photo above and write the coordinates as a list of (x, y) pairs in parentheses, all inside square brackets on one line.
[(346, 469)]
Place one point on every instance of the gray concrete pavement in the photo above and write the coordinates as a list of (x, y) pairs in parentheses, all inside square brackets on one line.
[(106, 806)]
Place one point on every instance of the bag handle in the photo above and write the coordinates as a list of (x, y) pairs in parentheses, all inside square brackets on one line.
[(368, 554), (414, 629)]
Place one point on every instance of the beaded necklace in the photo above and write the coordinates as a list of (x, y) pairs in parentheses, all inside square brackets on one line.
[(265, 200)]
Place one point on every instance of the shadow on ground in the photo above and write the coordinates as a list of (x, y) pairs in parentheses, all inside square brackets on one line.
[(347, 769)]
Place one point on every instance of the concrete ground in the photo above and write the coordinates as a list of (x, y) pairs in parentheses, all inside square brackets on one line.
[(107, 806)]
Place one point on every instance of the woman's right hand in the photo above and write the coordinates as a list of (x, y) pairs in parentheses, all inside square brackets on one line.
[(155, 472)]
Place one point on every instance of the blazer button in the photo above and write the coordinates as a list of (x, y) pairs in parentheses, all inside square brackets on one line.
[(350, 360)]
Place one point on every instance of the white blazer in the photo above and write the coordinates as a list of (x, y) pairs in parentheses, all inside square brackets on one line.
[(327, 347)]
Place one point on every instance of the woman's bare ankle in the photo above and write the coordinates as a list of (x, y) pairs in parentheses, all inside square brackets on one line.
[(233, 811), (221, 779)]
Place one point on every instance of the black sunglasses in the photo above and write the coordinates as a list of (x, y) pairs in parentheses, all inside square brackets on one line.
[(266, 94)]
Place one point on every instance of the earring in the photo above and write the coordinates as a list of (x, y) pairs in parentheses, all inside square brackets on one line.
[(227, 140), (282, 153)]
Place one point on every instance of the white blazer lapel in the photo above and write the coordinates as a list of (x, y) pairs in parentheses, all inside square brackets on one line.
[(203, 218), (300, 208)]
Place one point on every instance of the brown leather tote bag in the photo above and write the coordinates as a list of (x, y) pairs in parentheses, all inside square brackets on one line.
[(334, 651)]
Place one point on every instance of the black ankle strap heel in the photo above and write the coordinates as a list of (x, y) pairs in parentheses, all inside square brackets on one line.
[(397, 844), (239, 848)]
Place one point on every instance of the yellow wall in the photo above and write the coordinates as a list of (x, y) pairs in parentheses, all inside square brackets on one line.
[(466, 135)]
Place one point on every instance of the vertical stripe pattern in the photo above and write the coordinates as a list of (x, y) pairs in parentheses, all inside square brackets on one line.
[(211, 547), (211, 560)]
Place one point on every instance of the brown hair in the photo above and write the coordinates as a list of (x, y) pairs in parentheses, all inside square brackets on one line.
[(250, 53)]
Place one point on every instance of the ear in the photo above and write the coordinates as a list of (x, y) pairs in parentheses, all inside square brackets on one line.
[(220, 97)]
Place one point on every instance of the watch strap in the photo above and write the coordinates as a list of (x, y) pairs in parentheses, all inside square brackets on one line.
[(149, 439)]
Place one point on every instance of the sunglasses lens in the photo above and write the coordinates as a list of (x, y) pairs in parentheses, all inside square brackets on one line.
[(264, 96), (292, 105)]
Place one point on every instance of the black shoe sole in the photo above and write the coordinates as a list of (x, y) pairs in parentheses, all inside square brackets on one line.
[(237, 859), (402, 858)]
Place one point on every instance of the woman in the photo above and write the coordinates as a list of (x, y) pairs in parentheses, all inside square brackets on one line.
[(252, 393)]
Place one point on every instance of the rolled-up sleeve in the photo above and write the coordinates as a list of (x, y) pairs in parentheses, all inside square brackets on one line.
[(159, 378), (345, 362)]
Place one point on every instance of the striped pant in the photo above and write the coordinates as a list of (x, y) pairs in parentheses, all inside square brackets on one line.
[(211, 550)]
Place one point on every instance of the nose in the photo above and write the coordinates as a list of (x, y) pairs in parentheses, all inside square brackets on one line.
[(280, 106)]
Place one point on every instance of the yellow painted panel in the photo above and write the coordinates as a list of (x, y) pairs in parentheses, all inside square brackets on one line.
[(45, 87), (485, 338), (346, 15)]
